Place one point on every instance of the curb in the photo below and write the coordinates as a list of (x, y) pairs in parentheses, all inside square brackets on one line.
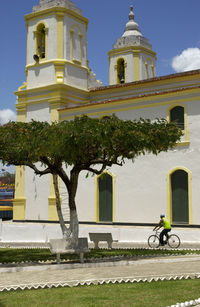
[(77, 283)]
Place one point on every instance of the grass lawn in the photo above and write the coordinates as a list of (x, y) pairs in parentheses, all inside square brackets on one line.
[(9, 255), (155, 294)]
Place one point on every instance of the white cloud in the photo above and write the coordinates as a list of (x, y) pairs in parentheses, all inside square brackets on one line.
[(189, 59), (7, 115)]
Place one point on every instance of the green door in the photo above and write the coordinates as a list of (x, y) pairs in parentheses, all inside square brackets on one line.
[(179, 185), (105, 198)]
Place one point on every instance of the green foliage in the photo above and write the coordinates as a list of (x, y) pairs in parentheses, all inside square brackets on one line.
[(84, 141)]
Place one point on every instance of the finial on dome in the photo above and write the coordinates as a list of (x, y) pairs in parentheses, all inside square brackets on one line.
[(132, 28), (131, 14)]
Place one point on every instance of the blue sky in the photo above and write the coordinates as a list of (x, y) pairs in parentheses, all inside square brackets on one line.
[(172, 27)]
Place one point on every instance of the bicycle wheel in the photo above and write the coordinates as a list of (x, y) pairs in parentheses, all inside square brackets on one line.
[(153, 241), (174, 241)]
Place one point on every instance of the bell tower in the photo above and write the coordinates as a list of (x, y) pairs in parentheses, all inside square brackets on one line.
[(131, 58), (56, 45), (57, 76)]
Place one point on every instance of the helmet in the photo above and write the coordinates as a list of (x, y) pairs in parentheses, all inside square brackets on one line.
[(162, 215)]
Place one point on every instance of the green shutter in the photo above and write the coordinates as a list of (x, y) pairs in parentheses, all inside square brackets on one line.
[(105, 198), (179, 184), (177, 115)]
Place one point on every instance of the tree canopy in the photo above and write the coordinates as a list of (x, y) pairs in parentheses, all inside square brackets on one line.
[(84, 143)]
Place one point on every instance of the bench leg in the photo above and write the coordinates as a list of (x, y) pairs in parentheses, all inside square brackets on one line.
[(96, 244), (81, 257), (58, 258), (110, 244)]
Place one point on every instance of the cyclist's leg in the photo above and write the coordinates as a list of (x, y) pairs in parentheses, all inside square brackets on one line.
[(167, 235), (161, 237)]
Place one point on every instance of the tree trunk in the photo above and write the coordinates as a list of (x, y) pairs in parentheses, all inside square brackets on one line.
[(65, 231), (74, 225)]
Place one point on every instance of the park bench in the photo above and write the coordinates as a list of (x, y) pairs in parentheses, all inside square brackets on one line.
[(66, 246), (97, 237)]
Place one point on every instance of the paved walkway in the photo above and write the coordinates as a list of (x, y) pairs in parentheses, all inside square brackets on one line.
[(71, 274)]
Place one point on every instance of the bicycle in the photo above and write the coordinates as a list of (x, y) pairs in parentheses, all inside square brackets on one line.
[(172, 240)]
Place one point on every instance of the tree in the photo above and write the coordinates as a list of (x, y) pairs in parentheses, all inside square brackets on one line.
[(84, 144)]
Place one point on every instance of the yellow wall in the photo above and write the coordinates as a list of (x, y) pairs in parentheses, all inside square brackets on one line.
[(19, 203)]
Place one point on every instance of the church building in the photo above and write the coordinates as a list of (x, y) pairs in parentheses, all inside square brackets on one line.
[(60, 85)]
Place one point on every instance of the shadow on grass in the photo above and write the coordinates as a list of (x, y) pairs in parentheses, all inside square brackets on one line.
[(10, 255)]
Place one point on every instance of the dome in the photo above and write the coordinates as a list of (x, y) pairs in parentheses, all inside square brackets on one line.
[(132, 27)]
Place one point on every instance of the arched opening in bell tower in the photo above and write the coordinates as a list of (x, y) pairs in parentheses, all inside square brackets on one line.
[(40, 41), (120, 71)]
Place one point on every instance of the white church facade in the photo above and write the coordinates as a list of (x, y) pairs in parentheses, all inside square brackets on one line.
[(60, 85)]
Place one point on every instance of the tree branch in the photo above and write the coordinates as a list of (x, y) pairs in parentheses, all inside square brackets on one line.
[(37, 171)]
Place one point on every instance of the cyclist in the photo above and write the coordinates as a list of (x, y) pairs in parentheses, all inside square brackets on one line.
[(167, 228)]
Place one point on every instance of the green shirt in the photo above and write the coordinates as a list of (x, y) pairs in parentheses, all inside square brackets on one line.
[(166, 224)]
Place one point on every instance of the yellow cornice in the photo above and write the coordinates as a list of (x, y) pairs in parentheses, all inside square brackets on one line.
[(57, 93), (147, 84), (55, 62), (125, 103), (21, 107), (52, 87), (134, 49), (56, 10)]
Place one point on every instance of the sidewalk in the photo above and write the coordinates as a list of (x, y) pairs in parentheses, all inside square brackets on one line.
[(159, 267), (141, 270)]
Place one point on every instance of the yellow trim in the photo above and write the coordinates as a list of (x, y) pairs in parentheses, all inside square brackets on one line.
[(59, 68), (122, 102), (149, 85), (21, 112), (54, 111), (134, 49), (169, 193), (23, 86), (56, 10), (97, 196), (19, 208), (146, 70), (52, 212), (136, 63), (56, 62), (61, 93), (110, 71), (60, 35), (27, 42), (19, 203)]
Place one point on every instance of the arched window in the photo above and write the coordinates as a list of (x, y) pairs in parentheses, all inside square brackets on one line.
[(120, 71), (177, 115), (41, 41), (105, 185), (180, 200)]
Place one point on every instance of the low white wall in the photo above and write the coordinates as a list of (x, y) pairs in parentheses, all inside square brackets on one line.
[(34, 232)]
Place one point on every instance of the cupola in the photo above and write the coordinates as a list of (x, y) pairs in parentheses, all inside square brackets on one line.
[(132, 57)]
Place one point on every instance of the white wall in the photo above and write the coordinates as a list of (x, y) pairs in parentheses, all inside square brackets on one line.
[(42, 233), (141, 187)]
